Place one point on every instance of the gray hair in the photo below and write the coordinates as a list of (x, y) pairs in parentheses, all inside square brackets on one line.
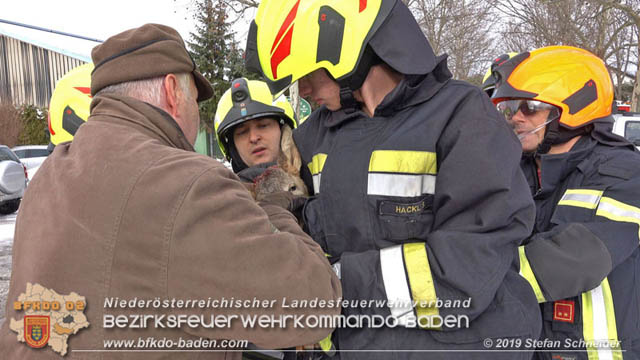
[(149, 90)]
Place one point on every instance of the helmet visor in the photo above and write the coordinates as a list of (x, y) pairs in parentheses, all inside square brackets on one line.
[(528, 108)]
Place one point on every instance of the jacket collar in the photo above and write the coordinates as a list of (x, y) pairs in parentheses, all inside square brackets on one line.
[(556, 167), (412, 90), (155, 121)]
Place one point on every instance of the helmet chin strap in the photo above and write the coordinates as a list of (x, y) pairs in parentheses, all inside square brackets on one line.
[(348, 101), (236, 161), (354, 82), (557, 135)]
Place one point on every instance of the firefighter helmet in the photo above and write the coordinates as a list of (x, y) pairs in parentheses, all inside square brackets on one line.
[(69, 106), (247, 100), (291, 38), (572, 79), (489, 81)]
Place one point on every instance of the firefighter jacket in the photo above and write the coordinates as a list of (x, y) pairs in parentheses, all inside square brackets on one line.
[(589, 290), (422, 202)]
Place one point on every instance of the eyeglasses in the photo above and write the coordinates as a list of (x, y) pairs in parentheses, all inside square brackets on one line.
[(509, 108)]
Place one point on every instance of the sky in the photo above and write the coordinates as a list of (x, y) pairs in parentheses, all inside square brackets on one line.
[(97, 19)]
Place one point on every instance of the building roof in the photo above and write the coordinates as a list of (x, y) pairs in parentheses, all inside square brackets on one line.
[(42, 44)]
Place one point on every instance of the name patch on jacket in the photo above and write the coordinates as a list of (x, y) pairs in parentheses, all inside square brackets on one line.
[(564, 310), (396, 208)]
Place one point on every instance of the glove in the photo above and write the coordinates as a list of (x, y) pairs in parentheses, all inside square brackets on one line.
[(250, 173), (568, 260), (285, 200)]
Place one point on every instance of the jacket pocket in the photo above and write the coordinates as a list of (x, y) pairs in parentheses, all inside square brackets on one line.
[(403, 220)]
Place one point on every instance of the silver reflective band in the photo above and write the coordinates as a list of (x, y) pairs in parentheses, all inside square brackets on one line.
[(600, 331), (337, 268), (612, 209), (586, 198), (599, 323), (401, 184), (316, 183), (395, 284)]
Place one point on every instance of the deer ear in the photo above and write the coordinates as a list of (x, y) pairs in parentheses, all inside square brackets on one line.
[(289, 159)]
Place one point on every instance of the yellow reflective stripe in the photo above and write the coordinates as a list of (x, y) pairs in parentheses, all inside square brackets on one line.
[(587, 325), (420, 281), (327, 345), (403, 161), (317, 163), (527, 273), (599, 324), (583, 192), (315, 166), (584, 198)]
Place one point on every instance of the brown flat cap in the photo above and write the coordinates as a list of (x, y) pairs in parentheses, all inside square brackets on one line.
[(141, 53)]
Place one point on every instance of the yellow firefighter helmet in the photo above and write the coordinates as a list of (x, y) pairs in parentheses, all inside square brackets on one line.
[(69, 106)]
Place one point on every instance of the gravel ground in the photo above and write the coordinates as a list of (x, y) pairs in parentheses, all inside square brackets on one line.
[(7, 224)]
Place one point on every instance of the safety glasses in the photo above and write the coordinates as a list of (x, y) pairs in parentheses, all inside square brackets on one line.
[(509, 108)]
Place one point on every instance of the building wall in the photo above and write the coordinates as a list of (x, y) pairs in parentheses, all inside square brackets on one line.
[(28, 73)]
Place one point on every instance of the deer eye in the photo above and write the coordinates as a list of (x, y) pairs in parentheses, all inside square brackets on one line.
[(293, 188)]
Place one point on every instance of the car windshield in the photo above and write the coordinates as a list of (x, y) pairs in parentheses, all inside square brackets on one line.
[(632, 131)]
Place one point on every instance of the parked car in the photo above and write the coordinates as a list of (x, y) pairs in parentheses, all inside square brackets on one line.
[(628, 125), (31, 156), (13, 181)]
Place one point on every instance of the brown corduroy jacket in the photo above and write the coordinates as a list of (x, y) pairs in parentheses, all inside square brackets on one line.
[(129, 211)]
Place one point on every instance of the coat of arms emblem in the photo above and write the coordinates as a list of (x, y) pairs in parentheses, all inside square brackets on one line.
[(36, 330)]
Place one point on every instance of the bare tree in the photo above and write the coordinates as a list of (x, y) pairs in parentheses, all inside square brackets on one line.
[(594, 25), (460, 28), (621, 58), (10, 125), (631, 11)]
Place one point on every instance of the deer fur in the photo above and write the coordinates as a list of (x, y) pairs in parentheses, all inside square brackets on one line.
[(286, 175)]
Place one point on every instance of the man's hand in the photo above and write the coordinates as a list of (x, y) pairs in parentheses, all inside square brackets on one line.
[(285, 200)]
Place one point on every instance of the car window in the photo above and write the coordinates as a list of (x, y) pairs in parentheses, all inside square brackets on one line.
[(38, 152), (632, 130), (6, 154), (21, 153)]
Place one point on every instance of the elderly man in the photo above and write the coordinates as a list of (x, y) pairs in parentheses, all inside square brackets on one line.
[(129, 211)]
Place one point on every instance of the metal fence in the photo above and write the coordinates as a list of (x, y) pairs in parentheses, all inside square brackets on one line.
[(28, 73)]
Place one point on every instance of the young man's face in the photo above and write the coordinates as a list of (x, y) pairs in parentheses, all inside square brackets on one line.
[(321, 89), (257, 140)]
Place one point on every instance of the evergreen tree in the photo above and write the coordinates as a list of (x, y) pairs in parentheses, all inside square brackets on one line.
[(216, 53)]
